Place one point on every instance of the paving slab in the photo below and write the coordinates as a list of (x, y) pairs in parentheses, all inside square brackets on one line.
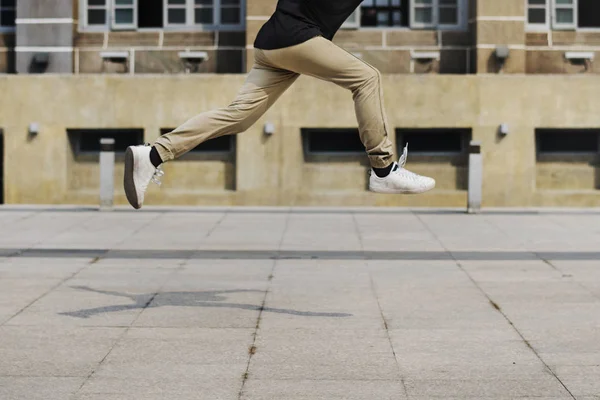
[(514, 388), (39, 387), (322, 390), (313, 354), (52, 351), (225, 387)]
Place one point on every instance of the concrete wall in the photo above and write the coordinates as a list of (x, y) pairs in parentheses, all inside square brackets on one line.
[(273, 170)]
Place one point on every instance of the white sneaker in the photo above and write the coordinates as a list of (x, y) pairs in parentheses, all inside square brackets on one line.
[(139, 172), (401, 180)]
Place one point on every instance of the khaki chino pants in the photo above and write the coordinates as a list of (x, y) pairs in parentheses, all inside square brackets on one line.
[(274, 71)]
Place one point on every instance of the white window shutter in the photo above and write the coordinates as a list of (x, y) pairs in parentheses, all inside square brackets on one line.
[(423, 14), (124, 14), (564, 14), (535, 9)]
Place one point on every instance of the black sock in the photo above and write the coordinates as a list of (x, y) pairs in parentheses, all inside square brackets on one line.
[(155, 157), (383, 172)]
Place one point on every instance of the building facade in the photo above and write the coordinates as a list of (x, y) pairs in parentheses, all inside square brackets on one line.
[(519, 76)]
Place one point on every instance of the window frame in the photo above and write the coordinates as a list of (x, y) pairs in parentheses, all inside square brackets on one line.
[(413, 6), (75, 138), (8, 28), (83, 16), (113, 16), (565, 26), (536, 27), (189, 6), (458, 6)]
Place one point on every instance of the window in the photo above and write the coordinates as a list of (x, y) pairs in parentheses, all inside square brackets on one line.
[(176, 12), (135, 14), (567, 141), (124, 15), (567, 159), (434, 141), (384, 13), (8, 14), (222, 144), (87, 141), (432, 13), (537, 13), (418, 14), (332, 141), (96, 12), (564, 14)]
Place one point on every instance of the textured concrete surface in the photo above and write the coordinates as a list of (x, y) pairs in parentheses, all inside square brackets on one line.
[(299, 304), (276, 170)]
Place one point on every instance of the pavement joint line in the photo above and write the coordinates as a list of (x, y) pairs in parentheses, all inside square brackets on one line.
[(252, 348), (139, 229), (387, 334), (498, 308), (216, 225), (384, 321), (54, 287)]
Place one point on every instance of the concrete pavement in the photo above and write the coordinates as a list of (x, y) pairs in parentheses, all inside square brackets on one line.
[(299, 304)]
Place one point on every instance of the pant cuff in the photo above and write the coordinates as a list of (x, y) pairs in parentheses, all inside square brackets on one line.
[(164, 153), (379, 162)]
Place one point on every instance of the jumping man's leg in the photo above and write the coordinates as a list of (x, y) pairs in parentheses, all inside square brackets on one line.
[(322, 59), (263, 86)]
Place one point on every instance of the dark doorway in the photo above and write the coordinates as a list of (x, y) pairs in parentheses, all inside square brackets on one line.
[(589, 14), (150, 14)]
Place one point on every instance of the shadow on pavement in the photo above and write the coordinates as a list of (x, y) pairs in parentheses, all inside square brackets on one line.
[(184, 299)]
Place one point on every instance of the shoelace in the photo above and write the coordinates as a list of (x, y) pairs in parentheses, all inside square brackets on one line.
[(402, 162), (403, 157), (158, 174)]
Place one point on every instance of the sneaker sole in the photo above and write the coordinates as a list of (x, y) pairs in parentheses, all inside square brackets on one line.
[(392, 191), (128, 183)]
